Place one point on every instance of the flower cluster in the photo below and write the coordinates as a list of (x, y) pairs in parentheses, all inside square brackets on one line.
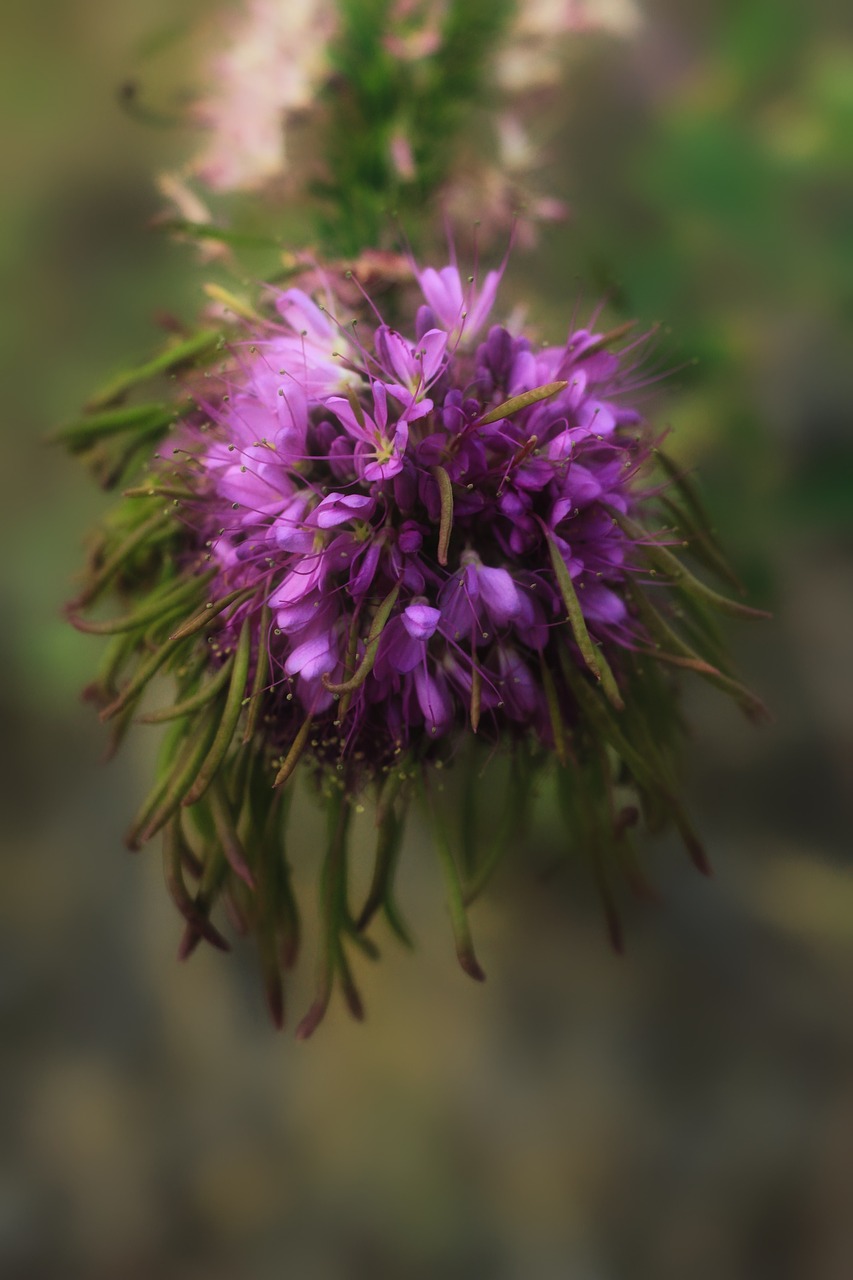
[(384, 548), (422, 512)]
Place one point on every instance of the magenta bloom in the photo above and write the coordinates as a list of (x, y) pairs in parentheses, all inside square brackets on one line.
[(465, 485), (385, 549)]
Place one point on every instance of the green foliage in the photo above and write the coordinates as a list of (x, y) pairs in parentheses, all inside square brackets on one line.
[(376, 95)]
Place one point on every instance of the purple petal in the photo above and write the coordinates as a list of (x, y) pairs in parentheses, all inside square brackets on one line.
[(433, 700), (499, 594), (287, 531), (299, 582), (296, 617), (399, 651), (484, 302), (380, 401), (601, 604), (383, 470), (597, 417), (411, 539), (524, 375), (360, 582), (443, 291), (313, 657), (337, 508), (560, 448), (581, 486), (562, 507), (421, 620), (397, 355), (343, 411), (533, 474), (518, 688), (433, 346), (301, 312)]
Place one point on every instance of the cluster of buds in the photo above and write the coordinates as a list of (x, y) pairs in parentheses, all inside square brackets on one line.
[(370, 546)]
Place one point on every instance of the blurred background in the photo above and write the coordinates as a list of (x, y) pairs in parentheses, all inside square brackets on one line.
[(684, 1111)]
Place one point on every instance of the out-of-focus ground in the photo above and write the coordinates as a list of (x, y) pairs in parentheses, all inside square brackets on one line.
[(684, 1112)]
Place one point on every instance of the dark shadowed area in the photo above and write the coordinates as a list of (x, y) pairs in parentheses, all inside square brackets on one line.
[(684, 1111)]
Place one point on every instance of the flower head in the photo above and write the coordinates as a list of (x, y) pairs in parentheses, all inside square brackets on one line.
[(386, 547), (474, 484)]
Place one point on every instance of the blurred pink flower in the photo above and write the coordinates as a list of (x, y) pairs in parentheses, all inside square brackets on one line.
[(532, 55), (402, 156), (502, 191), (414, 29), (274, 59)]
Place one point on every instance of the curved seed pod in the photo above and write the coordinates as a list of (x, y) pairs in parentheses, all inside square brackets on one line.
[(365, 667), (174, 738), (195, 701), (455, 899), (380, 894), (102, 577), (581, 816), (104, 689), (516, 403), (137, 683), (554, 713), (178, 892), (227, 834), (512, 824), (199, 621), (332, 907), (701, 544), (679, 653), (181, 780), (445, 528), (157, 606), (160, 491), (645, 763), (230, 716), (686, 488), (291, 760), (173, 357), (591, 654), (262, 666), (84, 432), (667, 563)]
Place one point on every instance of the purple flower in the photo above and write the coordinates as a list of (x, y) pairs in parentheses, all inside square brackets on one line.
[(381, 553), (431, 482), (379, 445), (456, 308)]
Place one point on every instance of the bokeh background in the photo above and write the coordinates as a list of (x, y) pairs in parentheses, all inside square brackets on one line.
[(684, 1111)]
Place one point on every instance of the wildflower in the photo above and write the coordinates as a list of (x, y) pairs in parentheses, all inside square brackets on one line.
[(274, 63), (384, 548)]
